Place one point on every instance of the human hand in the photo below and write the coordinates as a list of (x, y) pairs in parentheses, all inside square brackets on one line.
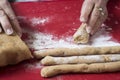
[(8, 19), (94, 13)]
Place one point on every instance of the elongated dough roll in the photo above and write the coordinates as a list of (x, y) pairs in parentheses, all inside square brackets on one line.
[(49, 60), (81, 35), (80, 68), (77, 51)]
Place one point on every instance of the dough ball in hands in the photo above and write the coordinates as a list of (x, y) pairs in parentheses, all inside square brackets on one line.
[(81, 35)]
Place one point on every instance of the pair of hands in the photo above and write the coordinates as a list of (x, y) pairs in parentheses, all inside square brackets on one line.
[(93, 13)]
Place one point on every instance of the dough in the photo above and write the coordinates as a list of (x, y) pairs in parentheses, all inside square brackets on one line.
[(49, 60), (77, 51), (12, 50), (80, 68), (81, 35)]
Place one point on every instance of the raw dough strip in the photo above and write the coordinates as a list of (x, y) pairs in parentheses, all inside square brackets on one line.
[(49, 60), (80, 68), (77, 51), (81, 35)]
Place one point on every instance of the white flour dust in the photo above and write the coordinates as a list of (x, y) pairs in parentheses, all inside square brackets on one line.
[(31, 66), (35, 20), (39, 41), (39, 21)]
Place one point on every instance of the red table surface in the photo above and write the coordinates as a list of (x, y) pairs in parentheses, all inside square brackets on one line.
[(64, 15)]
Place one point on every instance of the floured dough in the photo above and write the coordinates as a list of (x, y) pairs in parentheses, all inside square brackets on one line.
[(81, 35), (80, 68), (49, 60), (12, 50), (77, 51)]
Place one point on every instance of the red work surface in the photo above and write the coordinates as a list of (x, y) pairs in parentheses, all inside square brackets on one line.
[(64, 19)]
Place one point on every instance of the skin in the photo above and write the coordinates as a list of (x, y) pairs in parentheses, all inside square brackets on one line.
[(89, 15), (8, 20), (92, 15)]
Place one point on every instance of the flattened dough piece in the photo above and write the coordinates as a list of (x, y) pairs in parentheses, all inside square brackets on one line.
[(77, 51), (81, 35), (49, 60), (80, 68), (12, 50)]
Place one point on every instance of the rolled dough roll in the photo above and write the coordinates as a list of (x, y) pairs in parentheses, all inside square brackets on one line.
[(80, 68), (81, 35), (49, 60), (12, 50), (77, 51)]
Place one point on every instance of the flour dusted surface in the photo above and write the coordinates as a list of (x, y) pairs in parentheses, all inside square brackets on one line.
[(39, 41)]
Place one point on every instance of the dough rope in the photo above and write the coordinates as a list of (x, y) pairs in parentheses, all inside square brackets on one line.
[(49, 60), (80, 68), (81, 35), (77, 51)]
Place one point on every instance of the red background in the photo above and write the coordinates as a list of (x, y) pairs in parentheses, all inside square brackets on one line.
[(61, 24)]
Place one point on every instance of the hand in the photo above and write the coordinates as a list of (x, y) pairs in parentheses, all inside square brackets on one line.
[(8, 19), (94, 13)]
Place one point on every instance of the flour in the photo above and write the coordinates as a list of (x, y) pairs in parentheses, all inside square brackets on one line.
[(35, 65), (39, 21), (39, 41)]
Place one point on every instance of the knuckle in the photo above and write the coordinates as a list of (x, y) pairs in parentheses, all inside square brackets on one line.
[(96, 13), (2, 13), (3, 2), (13, 18), (7, 26)]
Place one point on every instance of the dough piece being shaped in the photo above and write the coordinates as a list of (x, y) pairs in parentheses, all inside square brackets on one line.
[(81, 35), (77, 51), (49, 60), (50, 71), (12, 50)]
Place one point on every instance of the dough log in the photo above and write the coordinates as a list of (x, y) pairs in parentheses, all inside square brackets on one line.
[(49, 60), (80, 68), (81, 35), (77, 51)]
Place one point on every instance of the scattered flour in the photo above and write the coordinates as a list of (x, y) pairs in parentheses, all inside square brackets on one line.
[(39, 21), (35, 65), (39, 41), (35, 20)]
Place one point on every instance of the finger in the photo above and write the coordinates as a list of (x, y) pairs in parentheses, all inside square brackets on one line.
[(5, 23), (86, 10), (100, 21), (0, 29), (93, 18), (8, 10)]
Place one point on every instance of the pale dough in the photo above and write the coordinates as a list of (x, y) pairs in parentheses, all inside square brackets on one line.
[(77, 51), (80, 68), (49, 60), (81, 35), (12, 50)]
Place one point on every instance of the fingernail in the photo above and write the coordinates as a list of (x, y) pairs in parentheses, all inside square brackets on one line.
[(88, 29), (9, 31), (82, 19)]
